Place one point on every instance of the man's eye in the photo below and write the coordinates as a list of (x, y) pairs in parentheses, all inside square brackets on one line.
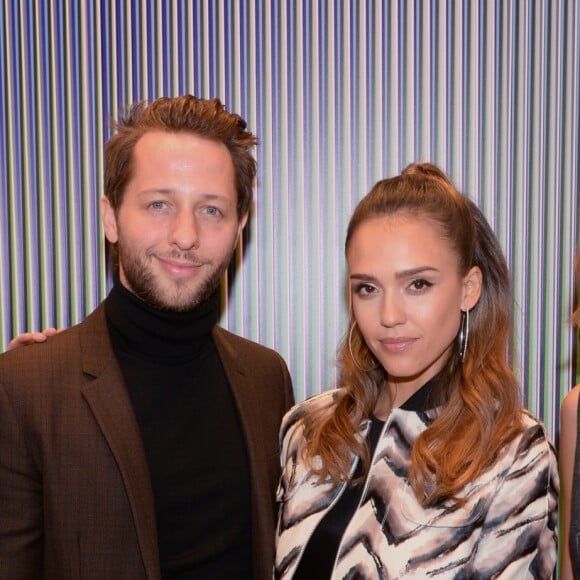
[(211, 210)]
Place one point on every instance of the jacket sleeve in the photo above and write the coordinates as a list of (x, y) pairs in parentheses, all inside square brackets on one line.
[(519, 533), (21, 528), (288, 388)]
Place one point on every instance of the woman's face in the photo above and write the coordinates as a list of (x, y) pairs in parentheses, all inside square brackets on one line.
[(408, 295)]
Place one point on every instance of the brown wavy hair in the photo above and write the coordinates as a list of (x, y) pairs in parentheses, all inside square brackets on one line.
[(207, 118), (479, 398)]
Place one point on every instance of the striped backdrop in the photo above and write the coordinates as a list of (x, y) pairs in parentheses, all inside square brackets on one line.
[(341, 93)]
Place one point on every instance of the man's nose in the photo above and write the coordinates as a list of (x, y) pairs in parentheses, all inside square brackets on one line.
[(184, 232)]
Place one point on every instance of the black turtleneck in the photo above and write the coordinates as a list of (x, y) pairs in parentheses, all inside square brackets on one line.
[(192, 436)]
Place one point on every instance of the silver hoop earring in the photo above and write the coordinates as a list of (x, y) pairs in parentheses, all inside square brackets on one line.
[(463, 334), (356, 363)]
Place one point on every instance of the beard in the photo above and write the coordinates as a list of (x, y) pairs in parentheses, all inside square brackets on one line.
[(181, 295)]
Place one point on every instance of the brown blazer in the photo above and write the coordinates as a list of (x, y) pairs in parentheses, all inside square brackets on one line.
[(75, 493)]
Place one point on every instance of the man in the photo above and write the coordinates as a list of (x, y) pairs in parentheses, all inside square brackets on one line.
[(142, 443)]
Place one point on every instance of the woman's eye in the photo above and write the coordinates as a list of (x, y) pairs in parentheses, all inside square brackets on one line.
[(420, 284), (157, 205), (363, 289)]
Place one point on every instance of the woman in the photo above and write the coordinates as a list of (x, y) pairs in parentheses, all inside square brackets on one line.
[(570, 466), (423, 464)]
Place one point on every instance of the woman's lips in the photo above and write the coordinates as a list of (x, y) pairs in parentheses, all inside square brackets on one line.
[(398, 344)]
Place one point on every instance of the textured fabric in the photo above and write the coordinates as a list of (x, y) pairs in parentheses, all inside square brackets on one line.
[(505, 529), (318, 557), (75, 494), (575, 515), (172, 338), (322, 546)]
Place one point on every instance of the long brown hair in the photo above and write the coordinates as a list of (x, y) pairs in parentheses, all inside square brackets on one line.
[(479, 398)]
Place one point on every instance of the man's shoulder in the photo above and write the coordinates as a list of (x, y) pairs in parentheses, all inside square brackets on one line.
[(59, 350), (242, 345), (248, 364), (262, 366)]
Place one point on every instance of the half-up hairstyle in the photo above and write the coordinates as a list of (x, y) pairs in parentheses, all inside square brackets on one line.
[(479, 399)]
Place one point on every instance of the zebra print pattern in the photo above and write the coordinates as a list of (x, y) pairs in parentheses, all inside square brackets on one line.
[(507, 527)]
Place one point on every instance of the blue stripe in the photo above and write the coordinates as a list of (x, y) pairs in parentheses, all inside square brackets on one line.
[(488, 90)]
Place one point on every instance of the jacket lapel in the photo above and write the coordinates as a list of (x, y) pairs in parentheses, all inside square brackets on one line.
[(244, 388), (241, 383), (109, 401)]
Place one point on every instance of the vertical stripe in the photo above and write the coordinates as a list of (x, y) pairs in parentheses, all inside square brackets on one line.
[(341, 94)]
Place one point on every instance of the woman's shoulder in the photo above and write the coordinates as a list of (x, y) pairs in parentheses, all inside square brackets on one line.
[(309, 405), (570, 404), (534, 442), (530, 458), (532, 425)]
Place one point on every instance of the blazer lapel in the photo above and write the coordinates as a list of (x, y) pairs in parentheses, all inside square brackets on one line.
[(239, 378), (109, 401), (244, 388)]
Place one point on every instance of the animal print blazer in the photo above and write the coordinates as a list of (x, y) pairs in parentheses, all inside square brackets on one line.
[(506, 528)]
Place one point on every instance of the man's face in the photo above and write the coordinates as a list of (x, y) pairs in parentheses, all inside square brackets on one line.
[(177, 226)]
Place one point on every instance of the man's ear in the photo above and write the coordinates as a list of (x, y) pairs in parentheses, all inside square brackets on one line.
[(241, 225), (472, 285), (109, 220)]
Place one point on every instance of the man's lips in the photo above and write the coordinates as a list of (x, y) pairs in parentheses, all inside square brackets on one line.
[(180, 268), (397, 344)]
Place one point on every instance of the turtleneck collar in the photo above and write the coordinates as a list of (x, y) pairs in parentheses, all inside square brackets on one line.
[(139, 329)]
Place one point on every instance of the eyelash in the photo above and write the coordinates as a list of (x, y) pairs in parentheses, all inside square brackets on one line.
[(215, 212), (363, 289), (418, 286), (210, 211), (157, 205), (424, 285)]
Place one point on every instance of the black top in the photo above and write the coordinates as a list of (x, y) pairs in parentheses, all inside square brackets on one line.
[(321, 550), (191, 433)]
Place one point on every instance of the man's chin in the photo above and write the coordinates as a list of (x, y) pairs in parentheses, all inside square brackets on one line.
[(171, 295), (178, 308), (178, 303)]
